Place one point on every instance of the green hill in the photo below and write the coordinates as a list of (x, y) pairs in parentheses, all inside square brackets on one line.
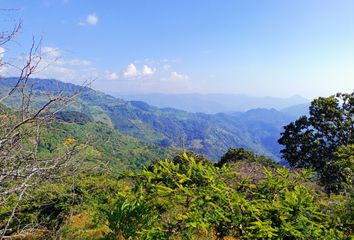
[(102, 143), (209, 134)]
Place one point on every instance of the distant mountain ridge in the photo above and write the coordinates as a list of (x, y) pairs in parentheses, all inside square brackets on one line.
[(213, 103), (209, 134), (297, 110)]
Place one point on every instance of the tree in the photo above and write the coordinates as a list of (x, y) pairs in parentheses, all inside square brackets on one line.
[(22, 168), (338, 175), (314, 141), (234, 155)]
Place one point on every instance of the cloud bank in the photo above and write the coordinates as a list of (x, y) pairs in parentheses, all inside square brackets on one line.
[(139, 76)]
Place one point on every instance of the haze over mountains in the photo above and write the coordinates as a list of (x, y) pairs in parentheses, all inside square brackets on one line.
[(215, 103), (210, 134)]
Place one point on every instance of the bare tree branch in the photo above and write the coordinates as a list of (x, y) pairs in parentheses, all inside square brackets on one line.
[(22, 169)]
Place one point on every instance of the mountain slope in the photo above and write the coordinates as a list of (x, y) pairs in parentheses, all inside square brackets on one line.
[(297, 110), (121, 152), (210, 134), (265, 125)]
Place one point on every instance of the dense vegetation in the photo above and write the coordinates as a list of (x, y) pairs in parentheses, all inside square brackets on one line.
[(188, 197), (105, 144), (69, 174), (96, 183), (211, 135), (192, 199), (324, 141)]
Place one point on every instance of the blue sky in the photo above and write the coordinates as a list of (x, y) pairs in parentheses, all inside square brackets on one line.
[(273, 48)]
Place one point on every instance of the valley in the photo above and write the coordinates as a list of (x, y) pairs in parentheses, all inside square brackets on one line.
[(209, 134)]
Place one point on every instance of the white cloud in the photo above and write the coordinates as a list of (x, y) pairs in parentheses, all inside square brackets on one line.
[(77, 62), (3, 66), (56, 64), (178, 77), (92, 19), (148, 71), (166, 67), (52, 52), (2, 53), (131, 71), (111, 75), (55, 56), (144, 76), (67, 74), (152, 76)]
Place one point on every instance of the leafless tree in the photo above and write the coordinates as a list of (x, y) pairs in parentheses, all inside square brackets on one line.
[(22, 169)]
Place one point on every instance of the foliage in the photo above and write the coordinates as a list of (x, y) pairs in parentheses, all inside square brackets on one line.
[(314, 141), (187, 198), (57, 207), (234, 155), (23, 168), (128, 218), (338, 175), (192, 199), (103, 144), (73, 117)]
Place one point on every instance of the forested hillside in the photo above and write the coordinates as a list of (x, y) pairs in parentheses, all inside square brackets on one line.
[(67, 176), (257, 130), (104, 144)]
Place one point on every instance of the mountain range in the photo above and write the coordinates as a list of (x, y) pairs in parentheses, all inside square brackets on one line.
[(213, 103), (210, 134)]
